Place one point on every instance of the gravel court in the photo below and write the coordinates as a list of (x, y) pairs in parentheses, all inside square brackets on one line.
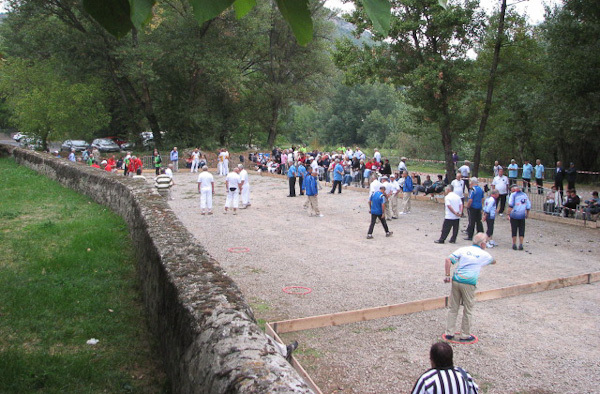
[(345, 271)]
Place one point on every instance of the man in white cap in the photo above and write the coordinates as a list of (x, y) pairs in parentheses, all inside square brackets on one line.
[(393, 199), (246, 187), (475, 204), (402, 166), (206, 188)]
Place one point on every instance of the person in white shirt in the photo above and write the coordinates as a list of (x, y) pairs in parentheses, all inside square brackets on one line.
[(195, 160), (226, 162), (375, 184), (459, 186), (453, 211), (234, 185), (465, 171), (500, 183), (169, 172), (402, 165), (206, 188), (395, 189), (377, 156), (245, 181)]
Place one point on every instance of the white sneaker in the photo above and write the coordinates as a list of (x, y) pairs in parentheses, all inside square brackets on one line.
[(493, 243), (320, 215), (489, 245)]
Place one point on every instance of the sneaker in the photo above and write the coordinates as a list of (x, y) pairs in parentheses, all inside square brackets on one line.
[(369, 236), (468, 239), (438, 241), (389, 233), (521, 247), (501, 214), (394, 217), (203, 213), (402, 213), (514, 247), (224, 212), (452, 241), (470, 338), (210, 213), (493, 243), (449, 337), (320, 215), (489, 245), (235, 212)]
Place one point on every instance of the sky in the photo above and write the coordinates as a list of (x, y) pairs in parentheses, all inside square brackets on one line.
[(533, 8)]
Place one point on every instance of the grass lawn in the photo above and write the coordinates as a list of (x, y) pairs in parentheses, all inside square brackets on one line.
[(67, 275)]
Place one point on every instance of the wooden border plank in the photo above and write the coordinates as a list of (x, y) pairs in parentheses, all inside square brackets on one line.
[(339, 318)]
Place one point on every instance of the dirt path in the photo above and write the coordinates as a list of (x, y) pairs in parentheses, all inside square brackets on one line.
[(541, 343)]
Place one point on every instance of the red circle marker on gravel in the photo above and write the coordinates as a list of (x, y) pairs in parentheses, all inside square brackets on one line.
[(460, 342), (238, 250), (290, 290)]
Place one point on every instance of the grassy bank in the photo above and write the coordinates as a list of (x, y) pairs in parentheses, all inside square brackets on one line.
[(67, 275)]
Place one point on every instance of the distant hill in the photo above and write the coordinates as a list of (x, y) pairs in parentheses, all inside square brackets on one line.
[(346, 29)]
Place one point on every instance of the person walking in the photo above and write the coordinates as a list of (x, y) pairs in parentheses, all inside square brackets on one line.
[(444, 377), (453, 206), (518, 210), (234, 186), (377, 209), (246, 188), (468, 262)]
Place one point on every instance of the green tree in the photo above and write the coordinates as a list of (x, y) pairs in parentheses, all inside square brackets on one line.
[(46, 106), (426, 51)]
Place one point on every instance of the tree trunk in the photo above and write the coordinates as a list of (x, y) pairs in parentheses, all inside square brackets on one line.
[(490, 92), (273, 124)]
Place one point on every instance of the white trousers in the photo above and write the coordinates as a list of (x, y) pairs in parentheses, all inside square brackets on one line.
[(220, 168), (206, 200), (246, 194), (232, 197), (195, 164), (225, 167)]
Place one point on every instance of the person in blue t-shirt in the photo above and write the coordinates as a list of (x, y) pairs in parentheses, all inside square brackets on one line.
[(377, 208), (513, 172), (291, 174), (539, 176), (526, 175), (518, 210), (338, 175), (474, 204), (301, 174)]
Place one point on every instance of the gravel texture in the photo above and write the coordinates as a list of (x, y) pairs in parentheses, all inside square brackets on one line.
[(541, 343)]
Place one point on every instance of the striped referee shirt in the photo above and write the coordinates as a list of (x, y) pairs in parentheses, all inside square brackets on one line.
[(445, 381)]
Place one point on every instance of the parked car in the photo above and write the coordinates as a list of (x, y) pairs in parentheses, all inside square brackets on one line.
[(30, 142), (105, 145), (17, 137), (77, 145), (118, 140)]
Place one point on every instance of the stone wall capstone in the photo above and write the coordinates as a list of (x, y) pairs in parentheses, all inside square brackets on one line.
[(207, 334)]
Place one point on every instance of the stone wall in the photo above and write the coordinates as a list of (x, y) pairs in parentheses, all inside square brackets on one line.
[(207, 334)]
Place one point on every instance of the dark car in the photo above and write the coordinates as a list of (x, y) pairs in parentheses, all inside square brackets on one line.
[(77, 145), (105, 145)]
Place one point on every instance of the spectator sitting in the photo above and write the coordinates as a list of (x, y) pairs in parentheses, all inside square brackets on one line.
[(573, 200), (593, 206), (436, 187), (553, 201), (423, 188)]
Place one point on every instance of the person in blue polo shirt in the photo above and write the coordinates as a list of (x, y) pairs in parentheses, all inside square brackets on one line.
[(469, 261), (526, 175), (377, 207), (513, 172), (539, 176), (338, 175), (301, 174), (474, 204), (312, 190), (291, 174), (518, 210)]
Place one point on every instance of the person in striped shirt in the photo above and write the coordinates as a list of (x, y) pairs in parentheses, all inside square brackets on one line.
[(444, 377)]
